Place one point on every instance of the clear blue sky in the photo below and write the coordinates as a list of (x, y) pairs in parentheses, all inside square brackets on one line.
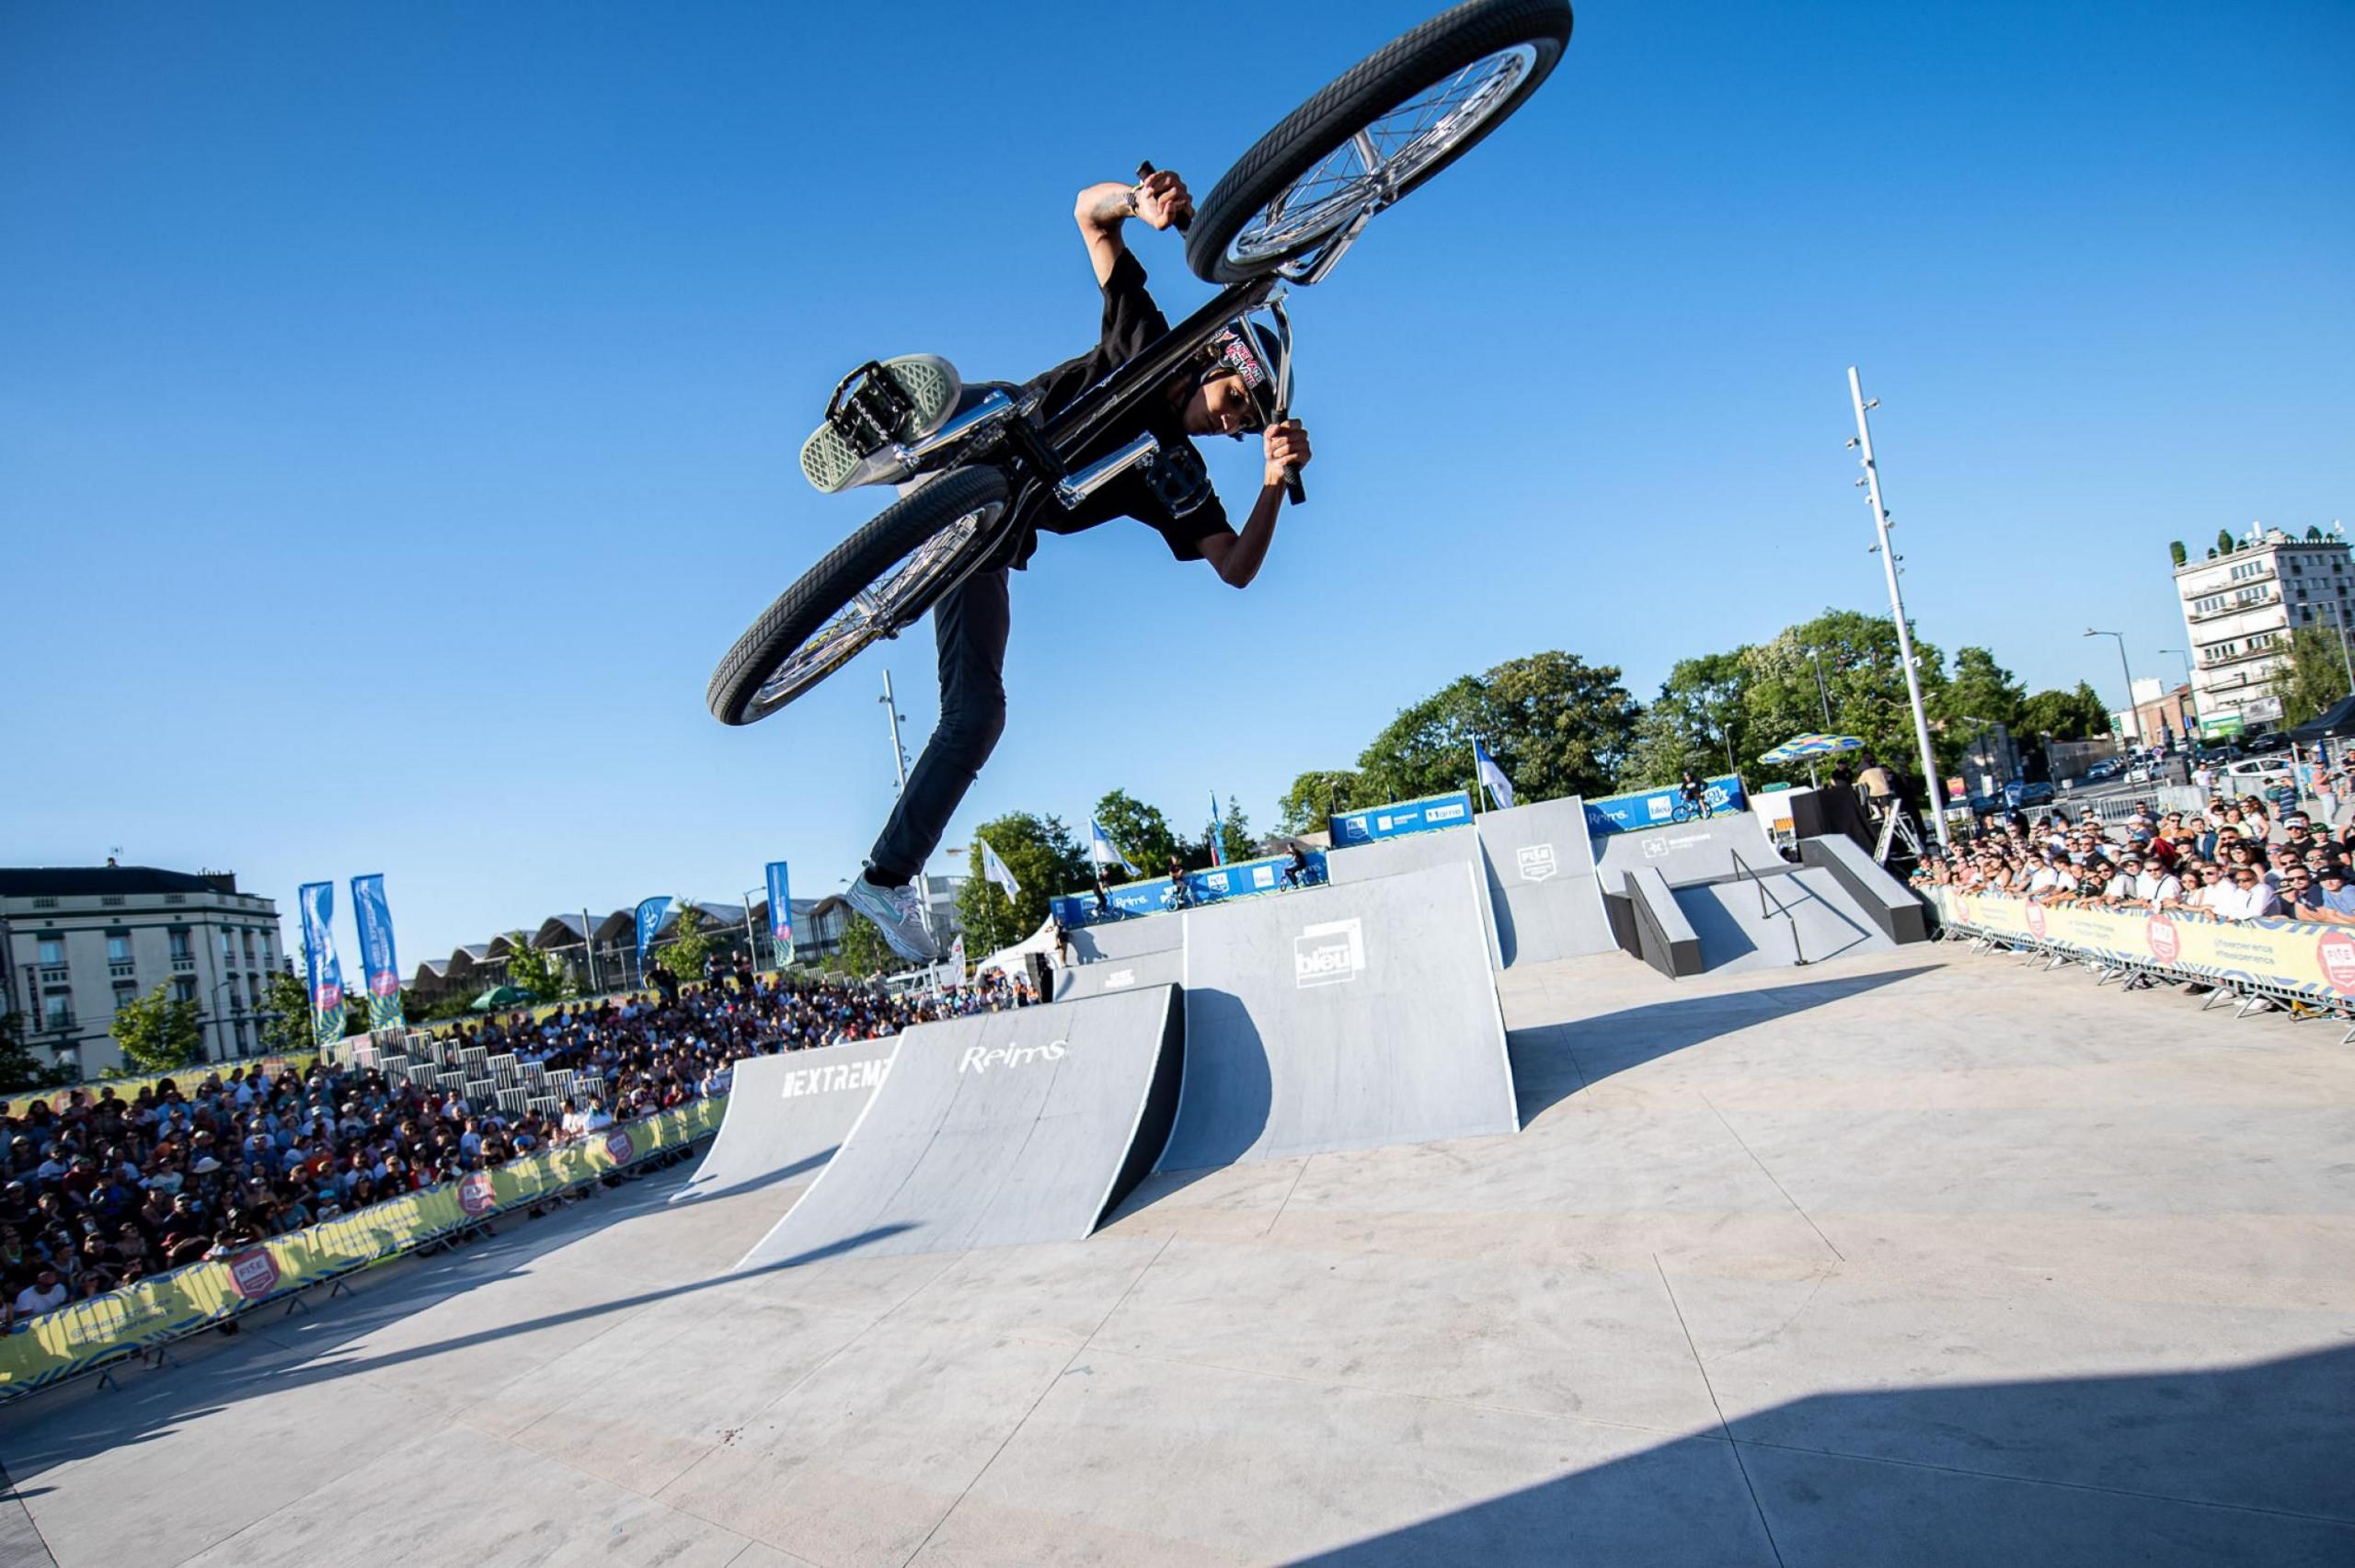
[(398, 402)]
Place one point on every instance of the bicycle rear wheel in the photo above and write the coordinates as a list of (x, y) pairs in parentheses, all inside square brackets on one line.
[(1385, 127), (873, 585)]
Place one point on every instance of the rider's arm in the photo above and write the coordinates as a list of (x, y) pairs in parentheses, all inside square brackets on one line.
[(1100, 211), (1236, 556)]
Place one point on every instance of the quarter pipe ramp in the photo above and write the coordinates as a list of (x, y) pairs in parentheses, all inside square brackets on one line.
[(788, 1114), (1002, 1127), (1349, 1016)]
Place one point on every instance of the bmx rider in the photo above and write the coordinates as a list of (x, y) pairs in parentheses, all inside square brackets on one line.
[(1232, 394)]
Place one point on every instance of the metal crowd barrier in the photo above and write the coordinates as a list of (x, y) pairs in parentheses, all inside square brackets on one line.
[(2243, 991)]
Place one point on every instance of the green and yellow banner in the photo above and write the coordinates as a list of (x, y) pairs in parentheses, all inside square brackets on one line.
[(155, 1312)]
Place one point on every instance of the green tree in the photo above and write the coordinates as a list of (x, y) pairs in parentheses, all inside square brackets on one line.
[(548, 978), (1981, 691), (21, 1067), (1315, 795), (2224, 542), (2176, 553), (1137, 830), (2314, 677), (864, 950), (689, 943), (1235, 841), (1556, 725), (1699, 720), (2063, 716), (157, 1034), (286, 1016)]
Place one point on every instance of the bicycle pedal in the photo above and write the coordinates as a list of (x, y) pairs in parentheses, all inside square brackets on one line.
[(876, 407)]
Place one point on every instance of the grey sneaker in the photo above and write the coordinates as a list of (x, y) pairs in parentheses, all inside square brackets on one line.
[(897, 913), (840, 455)]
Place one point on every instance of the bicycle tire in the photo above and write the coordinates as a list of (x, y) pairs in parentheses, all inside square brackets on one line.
[(802, 609), (1407, 64)]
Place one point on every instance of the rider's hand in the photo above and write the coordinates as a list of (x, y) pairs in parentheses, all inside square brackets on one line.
[(1162, 200), (1287, 445)]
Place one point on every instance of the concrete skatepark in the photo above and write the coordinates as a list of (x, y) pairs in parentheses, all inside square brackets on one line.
[(1906, 1255)]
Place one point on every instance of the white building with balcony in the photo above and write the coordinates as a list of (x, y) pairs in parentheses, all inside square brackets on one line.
[(2239, 611), (81, 940)]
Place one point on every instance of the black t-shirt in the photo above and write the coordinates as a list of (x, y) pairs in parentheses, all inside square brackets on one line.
[(1132, 322)]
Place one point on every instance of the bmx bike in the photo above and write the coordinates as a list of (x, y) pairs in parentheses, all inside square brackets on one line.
[(1692, 810), (1284, 214)]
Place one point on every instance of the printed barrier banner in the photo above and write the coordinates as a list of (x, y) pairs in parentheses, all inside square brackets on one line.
[(1240, 880), (1453, 810), (2287, 957), (316, 901), (155, 1312), (374, 917), (1650, 807)]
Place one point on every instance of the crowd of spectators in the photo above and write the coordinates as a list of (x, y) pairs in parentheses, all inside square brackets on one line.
[(2238, 861), (102, 1190)]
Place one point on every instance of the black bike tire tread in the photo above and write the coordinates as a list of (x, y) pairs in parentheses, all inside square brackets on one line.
[(1480, 27), (831, 584)]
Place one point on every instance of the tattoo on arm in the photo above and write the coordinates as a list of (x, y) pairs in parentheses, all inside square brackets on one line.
[(1112, 205)]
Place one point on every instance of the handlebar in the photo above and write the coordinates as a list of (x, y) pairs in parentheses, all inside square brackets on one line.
[(1292, 486)]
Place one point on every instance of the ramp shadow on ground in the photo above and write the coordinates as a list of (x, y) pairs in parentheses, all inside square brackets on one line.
[(276, 1353), (691, 1192), (2243, 1465), (1553, 1062)]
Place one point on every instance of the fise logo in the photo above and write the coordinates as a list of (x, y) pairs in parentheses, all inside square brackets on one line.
[(1328, 955), (1536, 862), (618, 1147), (2160, 932), (2336, 954), (475, 1195), (251, 1273)]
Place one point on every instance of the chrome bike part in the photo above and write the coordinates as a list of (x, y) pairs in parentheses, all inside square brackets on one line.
[(1093, 477), (1367, 172), (883, 609)]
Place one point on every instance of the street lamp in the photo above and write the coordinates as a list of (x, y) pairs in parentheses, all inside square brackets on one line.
[(2133, 719), (2339, 616)]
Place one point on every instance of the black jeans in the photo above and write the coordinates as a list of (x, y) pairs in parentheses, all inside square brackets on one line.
[(970, 626)]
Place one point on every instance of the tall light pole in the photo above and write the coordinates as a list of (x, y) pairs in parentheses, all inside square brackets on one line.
[(900, 764), (1823, 692), (1871, 483), (2133, 719)]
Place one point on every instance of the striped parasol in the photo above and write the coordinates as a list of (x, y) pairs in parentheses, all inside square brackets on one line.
[(1802, 747)]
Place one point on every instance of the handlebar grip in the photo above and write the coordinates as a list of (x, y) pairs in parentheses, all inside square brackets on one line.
[(1145, 168), (1292, 486)]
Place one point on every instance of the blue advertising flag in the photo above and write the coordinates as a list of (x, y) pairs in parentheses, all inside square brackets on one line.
[(650, 920), (1218, 847), (316, 901), (780, 915), (374, 917)]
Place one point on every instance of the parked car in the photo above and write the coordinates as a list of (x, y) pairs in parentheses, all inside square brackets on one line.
[(2271, 740), (2036, 793), (2253, 773)]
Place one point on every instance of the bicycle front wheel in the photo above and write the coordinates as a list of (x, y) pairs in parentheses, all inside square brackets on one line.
[(1385, 126), (873, 585)]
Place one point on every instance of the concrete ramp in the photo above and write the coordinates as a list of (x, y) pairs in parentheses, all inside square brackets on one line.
[(788, 1114), (1545, 895), (998, 1128), (1787, 918), (1687, 852), (1349, 1016), (1106, 975), (1130, 938)]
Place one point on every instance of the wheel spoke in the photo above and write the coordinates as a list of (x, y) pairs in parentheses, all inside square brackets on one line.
[(870, 613), (1369, 168)]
